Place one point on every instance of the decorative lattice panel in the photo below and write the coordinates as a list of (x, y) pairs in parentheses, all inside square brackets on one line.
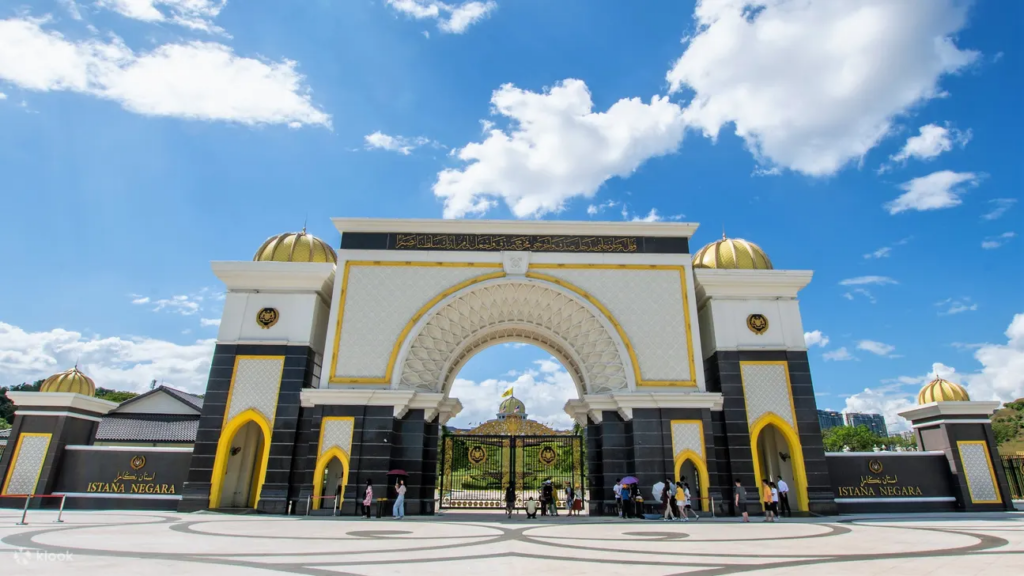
[(379, 302), (648, 305), (687, 436), (526, 307), (337, 432), (256, 385), (25, 473), (766, 389), (979, 474)]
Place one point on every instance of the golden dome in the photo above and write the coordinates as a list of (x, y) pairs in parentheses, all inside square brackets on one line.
[(69, 381), (295, 247), (733, 254), (512, 405), (940, 390)]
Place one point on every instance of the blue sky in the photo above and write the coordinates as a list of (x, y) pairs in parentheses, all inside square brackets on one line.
[(874, 142)]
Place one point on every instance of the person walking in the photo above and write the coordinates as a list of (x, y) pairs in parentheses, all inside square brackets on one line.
[(570, 499), (617, 489), (510, 500), (680, 501), (775, 500), (687, 504), (766, 499), (668, 496), (739, 494), (367, 498), (636, 500), (398, 511), (784, 498)]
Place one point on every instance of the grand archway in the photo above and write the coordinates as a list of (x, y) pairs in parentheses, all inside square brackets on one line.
[(241, 463), (777, 453)]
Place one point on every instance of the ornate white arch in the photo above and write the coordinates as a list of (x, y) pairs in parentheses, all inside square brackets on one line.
[(514, 309)]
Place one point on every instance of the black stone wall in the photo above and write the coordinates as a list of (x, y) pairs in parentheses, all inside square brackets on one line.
[(610, 457), (732, 434), (944, 437), (299, 370)]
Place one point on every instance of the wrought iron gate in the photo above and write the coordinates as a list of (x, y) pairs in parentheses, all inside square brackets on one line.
[(476, 470)]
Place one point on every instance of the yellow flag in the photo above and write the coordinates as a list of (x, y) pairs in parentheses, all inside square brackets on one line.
[(507, 393)]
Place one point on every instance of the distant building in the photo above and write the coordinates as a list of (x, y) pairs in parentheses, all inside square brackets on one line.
[(876, 422), (829, 419)]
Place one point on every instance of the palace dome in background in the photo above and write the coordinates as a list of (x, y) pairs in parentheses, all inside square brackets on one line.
[(732, 254), (295, 247)]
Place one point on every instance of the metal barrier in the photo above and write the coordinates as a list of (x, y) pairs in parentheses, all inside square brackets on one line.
[(1014, 468), (309, 503), (28, 499)]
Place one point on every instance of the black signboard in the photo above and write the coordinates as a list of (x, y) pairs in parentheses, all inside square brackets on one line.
[(113, 477), (877, 481)]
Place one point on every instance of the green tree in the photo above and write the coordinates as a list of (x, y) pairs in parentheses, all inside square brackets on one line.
[(4, 425), (859, 439), (1005, 430), (114, 395)]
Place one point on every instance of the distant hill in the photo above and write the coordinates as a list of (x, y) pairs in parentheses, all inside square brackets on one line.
[(1008, 425)]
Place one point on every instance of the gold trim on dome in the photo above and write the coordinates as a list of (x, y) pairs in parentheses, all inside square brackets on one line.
[(519, 427), (941, 390), (295, 247), (732, 253), (72, 380)]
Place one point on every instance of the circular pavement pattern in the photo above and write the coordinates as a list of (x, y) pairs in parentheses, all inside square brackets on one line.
[(157, 543)]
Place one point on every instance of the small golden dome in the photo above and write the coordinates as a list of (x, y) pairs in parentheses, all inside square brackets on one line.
[(295, 247), (940, 390), (69, 381), (512, 406), (733, 254)]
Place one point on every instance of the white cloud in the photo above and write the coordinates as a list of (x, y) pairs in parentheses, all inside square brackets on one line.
[(205, 322), (72, 7), (652, 216), (181, 304), (112, 362), (838, 355), (877, 348), (595, 209), (815, 338), (194, 14), (956, 306), (555, 149), (197, 80), (811, 85), (454, 19), (863, 292), (544, 390), (139, 299), (932, 141), (887, 401), (993, 242), (882, 252), (933, 192), (1002, 205), (861, 280), (3, 96), (399, 144)]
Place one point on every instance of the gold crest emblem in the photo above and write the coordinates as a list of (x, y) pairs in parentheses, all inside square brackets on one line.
[(547, 456), (875, 466), (267, 317), (137, 462), (477, 455), (757, 323)]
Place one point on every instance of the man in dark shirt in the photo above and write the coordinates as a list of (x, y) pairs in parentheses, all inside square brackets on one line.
[(740, 499)]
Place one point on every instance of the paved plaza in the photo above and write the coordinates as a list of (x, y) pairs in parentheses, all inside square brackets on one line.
[(165, 543)]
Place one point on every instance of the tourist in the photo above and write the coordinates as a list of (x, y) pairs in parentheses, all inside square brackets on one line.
[(623, 500), (766, 500), (570, 499), (577, 503), (367, 498), (784, 497), (510, 500), (636, 499), (687, 504), (617, 489), (548, 500), (680, 501), (668, 494), (398, 511), (775, 501), (531, 508), (739, 495)]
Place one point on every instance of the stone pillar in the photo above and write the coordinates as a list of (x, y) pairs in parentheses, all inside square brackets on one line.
[(963, 431), (45, 422)]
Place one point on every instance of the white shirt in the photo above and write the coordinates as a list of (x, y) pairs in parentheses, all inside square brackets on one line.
[(618, 490), (687, 501), (783, 487), (775, 494)]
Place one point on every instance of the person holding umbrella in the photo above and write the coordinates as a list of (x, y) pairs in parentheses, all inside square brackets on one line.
[(629, 494)]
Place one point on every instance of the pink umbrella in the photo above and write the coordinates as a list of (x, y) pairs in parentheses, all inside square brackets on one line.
[(397, 472)]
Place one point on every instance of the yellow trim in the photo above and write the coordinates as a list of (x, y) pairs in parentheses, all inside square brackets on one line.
[(796, 454), (991, 471), (699, 462), (220, 463), (14, 459), (608, 314), (322, 459), (229, 429), (789, 383), (333, 378)]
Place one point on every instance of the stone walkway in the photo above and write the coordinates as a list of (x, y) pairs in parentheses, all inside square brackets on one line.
[(163, 543)]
